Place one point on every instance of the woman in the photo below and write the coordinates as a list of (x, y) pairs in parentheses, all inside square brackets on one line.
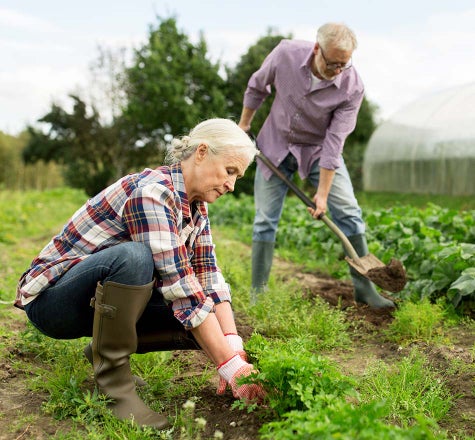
[(149, 224)]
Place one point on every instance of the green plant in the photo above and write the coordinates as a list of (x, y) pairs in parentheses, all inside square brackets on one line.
[(343, 420), (436, 245), (283, 312), (294, 377), (410, 388), (420, 321)]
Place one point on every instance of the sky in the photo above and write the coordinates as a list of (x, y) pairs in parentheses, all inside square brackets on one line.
[(406, 49)]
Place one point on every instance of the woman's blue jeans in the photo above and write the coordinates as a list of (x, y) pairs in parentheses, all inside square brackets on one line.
[(270, 195), (63, 311)]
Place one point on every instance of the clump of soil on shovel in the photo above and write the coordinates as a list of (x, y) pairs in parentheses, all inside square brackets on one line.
[(391, 277)]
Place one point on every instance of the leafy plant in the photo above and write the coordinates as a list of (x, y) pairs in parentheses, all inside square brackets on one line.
[(436, 245), (410, 389), (413, 322), (295, 378), (345, 421), (283, 312)]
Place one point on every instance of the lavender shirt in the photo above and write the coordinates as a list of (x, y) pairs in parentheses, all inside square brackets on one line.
[(309, 120)]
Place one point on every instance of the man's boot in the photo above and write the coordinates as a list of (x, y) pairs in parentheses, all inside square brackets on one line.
[(117, 308), (364, 290), (262, 254)]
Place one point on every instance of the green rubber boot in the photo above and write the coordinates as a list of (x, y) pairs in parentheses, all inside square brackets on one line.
[(117, 308), (364, 290), (262, 254)]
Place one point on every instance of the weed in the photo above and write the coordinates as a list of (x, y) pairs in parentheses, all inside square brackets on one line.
[(282, 312), (420, 321), (410, 389), (294, 377), (344, 421)]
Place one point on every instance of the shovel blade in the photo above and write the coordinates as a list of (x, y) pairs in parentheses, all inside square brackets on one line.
[(391, 277)]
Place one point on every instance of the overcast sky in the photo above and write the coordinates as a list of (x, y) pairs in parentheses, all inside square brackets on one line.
[(407, 49)]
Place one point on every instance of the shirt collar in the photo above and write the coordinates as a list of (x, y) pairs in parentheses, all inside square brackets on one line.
[(178, 181), (307, 64)]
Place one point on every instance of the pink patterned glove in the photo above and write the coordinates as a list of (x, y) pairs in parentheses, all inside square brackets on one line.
[(250, 392), (233, 369), (235, 342)]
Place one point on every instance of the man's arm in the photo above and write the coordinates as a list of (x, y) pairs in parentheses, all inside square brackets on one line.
[(321, 196), (247, 116)]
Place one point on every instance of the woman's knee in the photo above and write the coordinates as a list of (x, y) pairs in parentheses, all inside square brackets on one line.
[(134, 263)]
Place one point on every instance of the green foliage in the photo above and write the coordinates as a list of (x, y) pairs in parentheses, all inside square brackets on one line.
[(172, 85), (436, 245), (343, 420), (294, 378), (318, 402), (16, 175), (417, 322), (94, 154), (239, 75), (27, 221), (312, 399), (324, 327), (410, 389)]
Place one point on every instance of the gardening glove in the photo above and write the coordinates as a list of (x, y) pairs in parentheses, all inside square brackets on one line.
[(235, 342), (235, 368)]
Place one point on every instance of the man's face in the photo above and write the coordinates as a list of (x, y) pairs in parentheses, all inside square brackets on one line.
[(330, 62)]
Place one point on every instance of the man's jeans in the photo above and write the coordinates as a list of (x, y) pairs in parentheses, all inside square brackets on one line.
[(270, 195), (63, 311)]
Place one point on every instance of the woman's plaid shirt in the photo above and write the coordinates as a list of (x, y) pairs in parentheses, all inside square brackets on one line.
[(150, 207)]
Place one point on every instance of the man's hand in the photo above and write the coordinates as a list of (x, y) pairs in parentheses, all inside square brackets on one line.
[(320, 207)]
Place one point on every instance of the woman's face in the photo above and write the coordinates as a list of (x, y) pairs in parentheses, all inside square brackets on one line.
[(208, 176)]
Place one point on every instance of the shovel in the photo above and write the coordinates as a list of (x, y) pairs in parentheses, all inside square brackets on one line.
[(391, 277)]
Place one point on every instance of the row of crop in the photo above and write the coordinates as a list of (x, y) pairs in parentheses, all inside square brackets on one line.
[(435, 244), (310, 398)]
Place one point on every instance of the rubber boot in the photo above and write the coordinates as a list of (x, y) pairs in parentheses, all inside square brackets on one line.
[(364, 290), (262, 254), (139, 382), (117, 308)]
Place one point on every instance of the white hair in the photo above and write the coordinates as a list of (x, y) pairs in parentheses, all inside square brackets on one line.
[(337, 34), (222, 136)]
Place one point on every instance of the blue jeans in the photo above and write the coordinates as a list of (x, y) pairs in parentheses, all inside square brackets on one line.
[(270, 195), (63, 312)]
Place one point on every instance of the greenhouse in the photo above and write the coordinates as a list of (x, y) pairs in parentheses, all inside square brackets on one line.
[(428, 147)]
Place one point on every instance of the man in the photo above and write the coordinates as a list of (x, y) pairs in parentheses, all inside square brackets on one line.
[(318, 94)]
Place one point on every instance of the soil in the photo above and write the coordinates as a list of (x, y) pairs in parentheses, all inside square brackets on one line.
[(20, 408)]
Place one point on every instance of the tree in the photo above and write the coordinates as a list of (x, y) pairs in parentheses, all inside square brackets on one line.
[(172, 85), (93, 154)]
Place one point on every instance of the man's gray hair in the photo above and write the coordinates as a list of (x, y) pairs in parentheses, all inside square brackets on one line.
[(336, 34)]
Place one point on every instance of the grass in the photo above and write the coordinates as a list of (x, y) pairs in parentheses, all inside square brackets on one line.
[(409, 389), (403, 400), (415, 322)]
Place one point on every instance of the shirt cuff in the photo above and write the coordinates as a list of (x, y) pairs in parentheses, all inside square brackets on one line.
[(193, 317)]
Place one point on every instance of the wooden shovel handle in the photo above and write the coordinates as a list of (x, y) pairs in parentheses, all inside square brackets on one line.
[(302, 196)]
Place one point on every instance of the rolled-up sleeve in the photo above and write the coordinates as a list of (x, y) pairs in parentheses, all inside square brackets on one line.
[(259, 85)]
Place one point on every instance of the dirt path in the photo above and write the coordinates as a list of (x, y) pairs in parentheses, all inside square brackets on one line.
[(20, 409)]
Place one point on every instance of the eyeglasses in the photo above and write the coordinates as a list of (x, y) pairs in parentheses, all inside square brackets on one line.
[(335, 66)]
